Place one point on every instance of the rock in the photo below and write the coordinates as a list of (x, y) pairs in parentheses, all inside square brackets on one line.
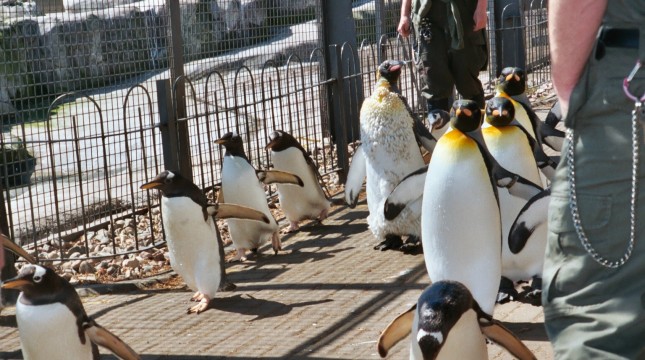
[(104, 264), (53, 255), (86, 268), (119, 224), (145, 255), (74, 255), (130, 263), (76, 265), (67, 276), (113, 270), (102, 237)]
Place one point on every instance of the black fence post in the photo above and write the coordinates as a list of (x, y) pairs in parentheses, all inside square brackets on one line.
[(184, 165), (380, 28), (168, 125), (338, 102), (509, 35)]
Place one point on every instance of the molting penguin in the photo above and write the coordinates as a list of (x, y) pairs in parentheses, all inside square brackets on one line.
[(447, 323), (52, 322), (461, 188), (389, 151), (298, 203), (514, 149), (242, 184), (195, 247)]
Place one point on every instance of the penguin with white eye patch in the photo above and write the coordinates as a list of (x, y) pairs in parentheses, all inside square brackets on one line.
[(52, 322), (446, 323), (298, 203)]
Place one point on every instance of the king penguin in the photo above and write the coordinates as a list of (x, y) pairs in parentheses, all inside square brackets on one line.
[(195, 247), (298, 203), (446, 323), (243, 185), (389, 151), (460, 171), (511, 147), (52, 322)]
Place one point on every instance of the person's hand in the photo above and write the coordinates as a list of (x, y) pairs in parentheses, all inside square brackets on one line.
[(404, 26), (480, 18)]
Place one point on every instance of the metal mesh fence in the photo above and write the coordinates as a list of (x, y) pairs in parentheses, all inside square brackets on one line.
[(81, 107)]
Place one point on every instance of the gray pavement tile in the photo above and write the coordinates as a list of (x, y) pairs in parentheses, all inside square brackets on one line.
[(327, 296)]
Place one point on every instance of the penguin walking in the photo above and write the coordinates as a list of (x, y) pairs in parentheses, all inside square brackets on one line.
[(390, 150), (512, 85), (298, 203), (447, 323), (461, 229), (514, 149), (242, 184), (52, 322), (195, 247)]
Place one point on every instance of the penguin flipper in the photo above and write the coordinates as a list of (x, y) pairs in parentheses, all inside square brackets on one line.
[(517, 185), (102, 337), (16, 249), (407, 191), (398, 329), (544, 162), (421, 132), (355, 177), (552, 137), (533, 214), (227, 211), (278, 177), (495, 331)]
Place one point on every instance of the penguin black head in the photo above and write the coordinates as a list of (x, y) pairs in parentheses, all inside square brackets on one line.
[(512, 81), (170, 183), (499, 111), (281, 140), (390, 70), (37, 283), (437, 119), (232, 143), (439, 308), (465, 116)]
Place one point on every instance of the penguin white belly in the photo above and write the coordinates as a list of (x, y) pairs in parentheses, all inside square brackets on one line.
[(192, 244), (511, 149), (241, 186), (391, 152), (465, 340), (523, 118), (49, 332), (461, 227), (299, 203)]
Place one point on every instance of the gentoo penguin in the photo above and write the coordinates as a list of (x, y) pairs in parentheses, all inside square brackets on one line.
[(298, 203), (52, 322), (447, 323), (461, 189), (242, 184), (512, 84), (195, 247), (514, 149), (390, 151)]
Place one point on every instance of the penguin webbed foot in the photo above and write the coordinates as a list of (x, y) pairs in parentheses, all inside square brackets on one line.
[(240, 256), (204, 304), (293, 227), (506, 292), (275, 243), (391, 242), (533, 294), (197, 297), (411, 245)]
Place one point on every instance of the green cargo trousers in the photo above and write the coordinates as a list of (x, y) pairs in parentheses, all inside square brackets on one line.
[(591, 311)]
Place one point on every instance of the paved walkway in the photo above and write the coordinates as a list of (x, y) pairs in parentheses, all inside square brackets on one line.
[(328, 296)]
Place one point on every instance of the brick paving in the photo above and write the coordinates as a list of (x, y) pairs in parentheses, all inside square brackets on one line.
[(327, 296)]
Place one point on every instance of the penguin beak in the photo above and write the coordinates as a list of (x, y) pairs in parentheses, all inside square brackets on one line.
[(396, 65), (220, 141), (15, 283), (14, 248), (509, 77), (151, 185), (495, 112), (271, 144)]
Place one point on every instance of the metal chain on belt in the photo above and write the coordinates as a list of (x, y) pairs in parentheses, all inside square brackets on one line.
[(573, 200)]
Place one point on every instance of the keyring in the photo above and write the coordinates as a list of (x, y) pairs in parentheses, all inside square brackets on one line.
[(628, 79)]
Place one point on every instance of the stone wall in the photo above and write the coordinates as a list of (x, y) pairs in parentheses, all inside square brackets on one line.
[(46, 55)]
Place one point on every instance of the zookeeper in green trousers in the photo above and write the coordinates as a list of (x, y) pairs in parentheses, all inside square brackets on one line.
[(594, 270)]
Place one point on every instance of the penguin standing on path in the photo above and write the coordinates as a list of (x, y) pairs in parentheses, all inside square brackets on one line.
[(52, 322), (514, 150), (389, 151), (461, 231), (298, 203), (195, 247), (447, 323), (242, 184)]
